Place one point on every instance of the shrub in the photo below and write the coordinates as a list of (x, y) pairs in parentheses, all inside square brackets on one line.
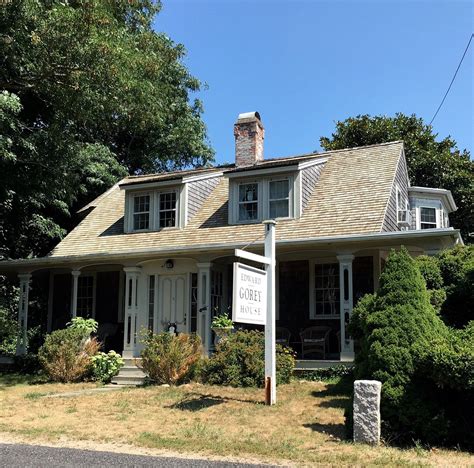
[(431, 271), (421, 363), (170, 359), (8, 332), (66, 355), (328, 373), (239, 361), (86, 326), (104, 366)]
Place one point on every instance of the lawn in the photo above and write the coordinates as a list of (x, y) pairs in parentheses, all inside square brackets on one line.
[(306, 426)]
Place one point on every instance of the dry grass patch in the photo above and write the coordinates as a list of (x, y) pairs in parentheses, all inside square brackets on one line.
[(306, 426)]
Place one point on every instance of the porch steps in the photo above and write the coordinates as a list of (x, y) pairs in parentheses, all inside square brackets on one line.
[(130, 374)]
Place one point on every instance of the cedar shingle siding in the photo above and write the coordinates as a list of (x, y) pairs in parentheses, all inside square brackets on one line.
[(310, 177), (401, 180), (198, 192)]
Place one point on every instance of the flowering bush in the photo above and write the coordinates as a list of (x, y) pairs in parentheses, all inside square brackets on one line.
[(104, 366)]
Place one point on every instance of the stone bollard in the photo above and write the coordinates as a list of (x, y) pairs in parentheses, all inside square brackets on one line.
[(367, 411)]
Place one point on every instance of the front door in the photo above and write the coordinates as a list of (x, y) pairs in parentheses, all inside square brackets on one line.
[(173, 302)]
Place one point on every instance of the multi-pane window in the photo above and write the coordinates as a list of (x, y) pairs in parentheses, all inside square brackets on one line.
[(216, 292), (326, 290), (167, 209), (85, 296), (248, 202), (151, 302), (141, 212), (279, 198), (427, 218)]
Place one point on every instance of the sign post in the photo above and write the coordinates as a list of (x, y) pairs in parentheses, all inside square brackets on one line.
[(270, 354), (254, 301)]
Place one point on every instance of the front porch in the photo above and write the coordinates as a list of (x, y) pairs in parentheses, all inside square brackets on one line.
[(316, 292)]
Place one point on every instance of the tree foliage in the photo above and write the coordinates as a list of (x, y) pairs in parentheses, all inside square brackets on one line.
[(89, 92), (431, 163)]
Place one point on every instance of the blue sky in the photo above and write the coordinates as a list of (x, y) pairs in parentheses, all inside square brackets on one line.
[(306, 64)]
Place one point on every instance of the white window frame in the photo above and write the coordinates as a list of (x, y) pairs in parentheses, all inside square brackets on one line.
[(259, 185), (158, 210), (436, 211), (154, 213), (263, 209), (150, 211)]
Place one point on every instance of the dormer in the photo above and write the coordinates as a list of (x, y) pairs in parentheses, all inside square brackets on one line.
[(430, 207), (267, 189), (165, 201)]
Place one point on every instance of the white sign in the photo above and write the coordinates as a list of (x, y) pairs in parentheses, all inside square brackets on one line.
[(249, 295)]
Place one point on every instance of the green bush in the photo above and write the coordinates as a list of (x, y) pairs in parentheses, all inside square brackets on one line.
[(104, 366), (457, 269), (8, 332), (327, 374), (239, 361), (421, 362), (86, 326), (430, 270), (66, 355), (170, 359)]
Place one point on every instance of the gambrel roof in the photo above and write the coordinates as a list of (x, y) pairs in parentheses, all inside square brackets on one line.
[(351, 196)]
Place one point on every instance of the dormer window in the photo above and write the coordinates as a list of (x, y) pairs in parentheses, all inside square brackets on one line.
[(279, 198), (427, 218), (248, 202), (141, 212), (253, 200), (153, 210), (167, 213)]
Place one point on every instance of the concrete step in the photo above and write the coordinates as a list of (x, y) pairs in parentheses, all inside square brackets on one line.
[(132, 372), (128, 380)]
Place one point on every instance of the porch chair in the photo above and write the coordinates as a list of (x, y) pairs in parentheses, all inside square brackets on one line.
[(282, 336), (314, 340), (105, 331)]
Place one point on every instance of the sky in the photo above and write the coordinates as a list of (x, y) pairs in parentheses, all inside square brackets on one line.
[(305, 64)]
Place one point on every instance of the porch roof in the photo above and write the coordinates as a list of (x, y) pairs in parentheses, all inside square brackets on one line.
[(436, 238)]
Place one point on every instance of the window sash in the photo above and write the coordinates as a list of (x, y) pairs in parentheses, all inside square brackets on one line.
[(326, 290), (428, 218), (248, 208), (276, 208), (167, 209), (85, 296), (141, 212)]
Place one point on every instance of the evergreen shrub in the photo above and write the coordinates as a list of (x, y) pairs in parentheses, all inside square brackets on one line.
[(405, 345), (239, 361)]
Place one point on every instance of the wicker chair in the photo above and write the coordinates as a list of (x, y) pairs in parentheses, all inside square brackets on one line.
[(283, 336), (314, 340)]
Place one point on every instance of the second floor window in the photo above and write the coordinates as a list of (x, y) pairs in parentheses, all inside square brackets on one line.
[(248, 202), (427, 218), (141, 212), (279, 198), (167, 215)]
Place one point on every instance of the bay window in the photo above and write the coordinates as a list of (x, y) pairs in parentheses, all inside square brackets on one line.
[(427, 218)]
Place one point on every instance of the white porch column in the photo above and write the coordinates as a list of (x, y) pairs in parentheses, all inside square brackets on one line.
[(204, 305), (75, 282), (346, 299), (131, 311), (22, 342)]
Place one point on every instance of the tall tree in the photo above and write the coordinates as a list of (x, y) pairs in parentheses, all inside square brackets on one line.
[(431, 163), (88, 92)]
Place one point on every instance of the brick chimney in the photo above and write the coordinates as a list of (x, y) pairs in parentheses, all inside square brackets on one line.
[(249, 134)]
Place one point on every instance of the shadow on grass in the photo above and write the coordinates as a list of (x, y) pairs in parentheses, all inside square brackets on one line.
[(335, 430), (10, 379), (196, 404), (198, 401), (342, 388)]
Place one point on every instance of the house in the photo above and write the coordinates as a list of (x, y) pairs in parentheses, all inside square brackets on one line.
[(158, 249)]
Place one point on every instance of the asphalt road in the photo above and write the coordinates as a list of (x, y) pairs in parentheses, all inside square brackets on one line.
[(39, 456)]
